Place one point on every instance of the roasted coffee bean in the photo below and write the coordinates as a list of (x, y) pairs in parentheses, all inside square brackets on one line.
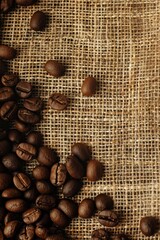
[(46, 156), (41, 232), (58, 236), (26, 151), (4, 147), (11, 217), (31, 194), (6, 93), (44, 221), (21, 181), (8, 110), (104, 201), (10, 80), (3, 133), (46, 202), (3, 67), (6, 5), (94, 170), (12, 162), (23, 89), (54, 68), (71, 187), (16, 205), (28, 117), (25, 2), (38, 21), (2, 213), (58, 174), (86, 208), (120, 237), (44, 187), (58, 101), (59, 218), (148, 225), (11, 229), (41, 173), (21, 127), (108, 218), (15, 136), (74, 167), (26, 233), (31, 215), (69, 207), (11, 193), (89, 86), (7, 52), (33, 104), (100, 234), (35, 138), (81, 151), (5, 181)]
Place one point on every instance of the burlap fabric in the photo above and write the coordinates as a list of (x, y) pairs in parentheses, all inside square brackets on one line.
[(117, 41)]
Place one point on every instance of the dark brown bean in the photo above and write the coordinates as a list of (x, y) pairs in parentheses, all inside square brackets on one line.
[(81, 151), (104, 201), (44, 221), (11, 193), (8, 110), (25, 2), (74, 167), (21, 127), (89, 86), (12, 162), (148, 225), (86, 208), (10, 80), (11, 229), (58, 101), (108, 218), (26, 233), (46, 156), (26, 151), (100, 234), (3, 67), (54, 68), (58, 236), (69, 207), (120, 237), (44, 187), (31, 215), (31, 194), (28, 117), (46, 202), (59, 218), (41, 232), (94, 170), (38, 21), (5, 181), (58, 174), (41, 173), (16, 205), (7, 52), (6, 5), (23, 89), (4, 147), (71, 187), (11, 217), (6, 93), (15, 136), (21, 181), (35, 138), (33, 104)]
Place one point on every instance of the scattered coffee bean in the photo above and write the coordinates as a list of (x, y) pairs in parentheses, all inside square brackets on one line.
[(104, 201), (11, 217), (25, 2), (33, 104), (71, 187), (31, 194), (11, 229), (31, 215), (23, 89), (74, 167), (21, 181), (26, 151), (120, 237), (89, 86), (59, 218), (28, 117), (54, 68), (58, 174), (148, 225), (3, 67), (46, 202), (41, 232), (4, 147), (100, 234), (7, 52), (11, 193), (16, 205), (21, 127), (8, 110), (15, 136), (6, 93), (35, 138), (46, 156), (6, 5), (81, 151), (26, 233), (86, 208), (44, 187), (58, 101), (69, 207), (41, 172), (12, 162), (38, 21), (5, 181), (94, 170), (44, 221), (10, 80), (108, 218)]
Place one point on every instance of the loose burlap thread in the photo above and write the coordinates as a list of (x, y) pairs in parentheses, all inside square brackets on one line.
[(117, 41)]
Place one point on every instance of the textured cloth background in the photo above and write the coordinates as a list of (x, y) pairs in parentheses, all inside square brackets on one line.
[(117, 41)]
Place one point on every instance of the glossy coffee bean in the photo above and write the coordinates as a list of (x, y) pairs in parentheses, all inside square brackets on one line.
[(4, 147), (15, 136), (86, 208), (25, 2), (8, 110), (23, 89), (3, 134), (46, 202), (11, 229), (5, 181), (58, 101), (54, 68), (38, 21), (71, 187), (120, 237), (74, 167), (100, 234), (21, 181), (104, 201), (26, 151), (6, 5), (46, 156), (26, 233), (41, 172), (94, 170), (21, 127), (148, 225), (89, 86), (7, 52), (16, 205), (34, 138), (28, 117), (41, 232), (44, 187), (81, 151), (33, 104), (44, 220), (6, 93), (69, 207), (11, 193), (108, 218), (58, 174), (12, 162), (3, 67), (11, 217), (10, 80), (31, 194), (59, 218), (31, 215)]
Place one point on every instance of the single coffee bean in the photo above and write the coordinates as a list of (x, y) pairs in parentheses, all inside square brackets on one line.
[(58, 174), (9, 217), (8, 110), (41, 232), (15, 136), (71, 187), (21, 181), (46, 156), (33, 104), (3, 67), (28, 117), (104, 201), (21, 127), (46, 202), (26, 151), (41, 173), (6, 93), (44, 221), (86, 208), (31, 194), (81, 151), (2, 213), (148, 225), (59, 218), (4, 147), (3, 133), (11, 229), (89, 86), (7, 52), (100, 234), (74, 167), (69, 207), (25, 2), (6, 5), (10, 80), (108, 218), (54, 68), (23, 89), (11, 193), (38, 21), (58, 236), (26, 233), (94, 170), (12, 162), (58, 101), (120, 237), (5, 181), (44, 187), (35, 138), (16, 205), (31, 215)]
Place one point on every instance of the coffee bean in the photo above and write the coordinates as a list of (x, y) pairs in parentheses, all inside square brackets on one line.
[(23, 89), (25, 2), (8, 110), (10, 80), (4, 147), (104, 201), (58, 174), (11, 193), (89, 86), (71, 187), (6, 5), (41, 173), (3, 67), (26, 151), (3, 133), (38, 21), (11, 229), (46, 156), (69, 207), (41, 232), (12, 162), (7, 52), (86, 208), (81, 151), (16, 205), (21, 181), (108, 218), (58, 236), (59, 218), (148, 225), (46, 202), (54, 68), (120, 237), (11, 217), (44, 221), (44, 187), (28, 117), (21, 127), (33, 104), (31, 215), (31, 194), (100, 234), (94, 170), (15, 136), (5, 181), (58, 101), (26, 233), (74, 167), (6, 93), (35, 138)]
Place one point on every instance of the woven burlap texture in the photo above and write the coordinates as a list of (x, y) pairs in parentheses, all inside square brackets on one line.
[(117, 41)]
